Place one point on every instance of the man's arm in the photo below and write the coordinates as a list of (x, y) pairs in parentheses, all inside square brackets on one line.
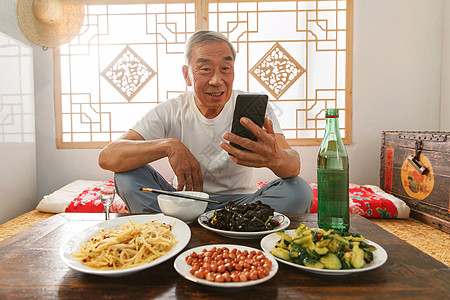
[(271, 150), (131, 151)]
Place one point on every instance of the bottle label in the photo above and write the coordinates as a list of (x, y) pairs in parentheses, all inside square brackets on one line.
[(333, 205), (333, 183)]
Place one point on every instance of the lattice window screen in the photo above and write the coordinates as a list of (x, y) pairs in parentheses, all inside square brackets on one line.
[(16, 93), (128, 57)]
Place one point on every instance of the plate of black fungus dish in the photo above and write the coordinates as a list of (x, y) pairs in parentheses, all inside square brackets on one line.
[(245, 221)]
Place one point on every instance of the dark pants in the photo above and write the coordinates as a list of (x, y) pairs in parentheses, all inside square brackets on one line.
[(285, 195)]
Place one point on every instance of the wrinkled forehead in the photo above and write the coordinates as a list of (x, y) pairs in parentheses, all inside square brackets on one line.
[(208, 60), (204, 51), (211, 52)]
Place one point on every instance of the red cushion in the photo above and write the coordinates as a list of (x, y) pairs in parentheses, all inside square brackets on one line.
[(89, 201), (363, 201)]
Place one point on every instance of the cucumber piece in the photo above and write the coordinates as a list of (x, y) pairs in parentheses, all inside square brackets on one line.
[(335, 246), (313, 254), (305, 254), (321, 250), (286, 238), (345, 264), (364, 245), (280, 253), (368, 256), (341, 239), (345, 260), (357, 239), (284, 242), (323, 243), (301, 227), (331, 261), (312, 263), (280, 244), (293, 254), (357, 260), (303, 240), (294, 247)]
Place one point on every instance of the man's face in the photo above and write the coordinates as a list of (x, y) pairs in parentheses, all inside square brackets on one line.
[(211, 74)]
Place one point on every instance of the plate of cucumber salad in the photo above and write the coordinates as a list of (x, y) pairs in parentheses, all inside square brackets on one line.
[(322, 251)]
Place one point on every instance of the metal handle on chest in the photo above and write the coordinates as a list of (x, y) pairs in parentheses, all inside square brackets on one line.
[(414, 160)]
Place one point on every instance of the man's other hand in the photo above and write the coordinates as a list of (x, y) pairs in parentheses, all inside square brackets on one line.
[(185, 166)]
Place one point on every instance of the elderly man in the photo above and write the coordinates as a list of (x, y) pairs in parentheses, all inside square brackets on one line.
[(193, 132)]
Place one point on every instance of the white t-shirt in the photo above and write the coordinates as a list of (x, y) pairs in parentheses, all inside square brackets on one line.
[(181, 119)]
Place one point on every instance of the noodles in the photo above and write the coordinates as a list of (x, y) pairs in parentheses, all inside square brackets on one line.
[(129, 246)]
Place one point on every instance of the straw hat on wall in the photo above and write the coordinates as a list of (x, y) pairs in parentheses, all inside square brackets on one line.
[(50, 23)]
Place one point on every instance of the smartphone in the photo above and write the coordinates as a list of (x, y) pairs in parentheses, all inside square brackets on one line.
[(252, 106)]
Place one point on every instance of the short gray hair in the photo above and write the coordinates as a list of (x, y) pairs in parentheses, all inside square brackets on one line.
[(203, 37)]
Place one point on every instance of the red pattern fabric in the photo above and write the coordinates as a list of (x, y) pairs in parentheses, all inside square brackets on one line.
[(363, 201), (89, 201)]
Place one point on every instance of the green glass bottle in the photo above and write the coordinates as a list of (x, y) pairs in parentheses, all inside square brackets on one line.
[(333, 177)]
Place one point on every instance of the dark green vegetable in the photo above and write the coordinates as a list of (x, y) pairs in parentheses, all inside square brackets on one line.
[(304, 254), (364, 245), (312, 263), (293, 254), (345, 264), (368, 256)]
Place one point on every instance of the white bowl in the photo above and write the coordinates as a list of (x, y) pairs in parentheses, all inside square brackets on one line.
[(184, 209)]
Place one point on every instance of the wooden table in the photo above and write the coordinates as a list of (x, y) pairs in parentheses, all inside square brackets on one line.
[(31, 268)]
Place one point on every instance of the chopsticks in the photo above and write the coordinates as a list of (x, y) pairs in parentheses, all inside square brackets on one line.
[(178, 195)]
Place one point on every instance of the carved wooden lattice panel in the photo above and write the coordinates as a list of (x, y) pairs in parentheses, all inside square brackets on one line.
[(277, 71), (297, 52), (17, 121), (128, 73), (128, 57)]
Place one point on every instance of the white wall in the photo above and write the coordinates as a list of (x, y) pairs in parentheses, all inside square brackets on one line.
[(397, 53), (396, 76), (398, 63), (17, 129), (445, 81)]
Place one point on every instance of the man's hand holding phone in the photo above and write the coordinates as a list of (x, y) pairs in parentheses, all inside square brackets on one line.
[(260, 146), (270, 150), (247, 135), (257, 153)]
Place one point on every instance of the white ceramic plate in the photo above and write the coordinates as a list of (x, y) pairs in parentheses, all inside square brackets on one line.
[(379, 257), (183, 268), (284, 223), (180, 230)]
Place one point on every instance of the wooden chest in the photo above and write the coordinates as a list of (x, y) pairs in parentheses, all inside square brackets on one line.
[(415, 167)]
